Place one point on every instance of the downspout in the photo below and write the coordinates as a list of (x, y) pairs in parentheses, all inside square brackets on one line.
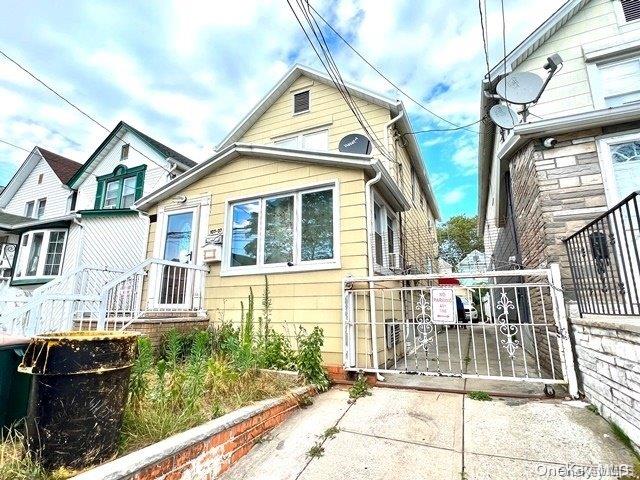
[(372, 300)]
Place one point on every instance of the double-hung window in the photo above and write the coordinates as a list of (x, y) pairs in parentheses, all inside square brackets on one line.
[(41, 254), (121, 188), (317, 140), (386, 240), (295, 230), (42, 203), (28, 209)]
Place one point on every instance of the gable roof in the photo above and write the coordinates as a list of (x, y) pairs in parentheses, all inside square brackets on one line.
[(162, 150), (344, 160), (63, 167), (518, 55), (395, 107)]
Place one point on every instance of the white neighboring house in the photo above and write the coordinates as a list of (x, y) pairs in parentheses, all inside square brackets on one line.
[(474, 262), (444, 267), (126, 166), (63, 215), (35, 209)]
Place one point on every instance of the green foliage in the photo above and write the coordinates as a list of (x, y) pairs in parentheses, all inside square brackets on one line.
[(309, 359), (593, 409), (480, 396), (623, 438), (140, 370), (330, 432), (457, 237), (360, 388), (316, 451)]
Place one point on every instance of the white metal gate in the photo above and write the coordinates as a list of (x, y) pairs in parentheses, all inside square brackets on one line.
[(514, 327)]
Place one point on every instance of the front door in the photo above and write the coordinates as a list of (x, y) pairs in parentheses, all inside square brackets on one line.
[(178, 246)]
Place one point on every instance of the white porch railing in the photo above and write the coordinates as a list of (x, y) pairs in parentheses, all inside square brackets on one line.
[(104, 298), (55, 305), (171, 287)]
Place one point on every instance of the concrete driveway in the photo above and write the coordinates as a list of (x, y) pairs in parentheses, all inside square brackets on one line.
[(407, 434)]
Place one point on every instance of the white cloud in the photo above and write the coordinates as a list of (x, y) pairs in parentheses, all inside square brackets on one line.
[(187, 72), (454, 196)]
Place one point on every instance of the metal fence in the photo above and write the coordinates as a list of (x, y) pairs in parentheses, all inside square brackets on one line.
[(509, 325), (604, 261)]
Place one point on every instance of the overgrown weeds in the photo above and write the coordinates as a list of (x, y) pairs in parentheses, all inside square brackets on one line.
[(15, 461), (359, 389), (480, 396)]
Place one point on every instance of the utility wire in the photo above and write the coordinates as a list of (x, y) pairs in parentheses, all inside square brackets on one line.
[(421, 105), (485, 35), (445, 129), (74, 106), (14, 146)]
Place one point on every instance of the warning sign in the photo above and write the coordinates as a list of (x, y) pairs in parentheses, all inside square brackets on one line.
[(443, 305)]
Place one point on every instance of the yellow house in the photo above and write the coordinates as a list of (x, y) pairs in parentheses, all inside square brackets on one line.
[(301, 193)]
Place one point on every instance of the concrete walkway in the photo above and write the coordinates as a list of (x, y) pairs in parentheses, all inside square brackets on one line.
[(406, 434)]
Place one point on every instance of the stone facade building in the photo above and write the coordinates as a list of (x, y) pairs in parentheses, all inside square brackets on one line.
[(575, 157)]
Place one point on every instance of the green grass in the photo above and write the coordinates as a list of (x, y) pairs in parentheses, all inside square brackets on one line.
[(480, 396)]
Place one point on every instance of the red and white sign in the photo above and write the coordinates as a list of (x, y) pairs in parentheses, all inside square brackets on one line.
[(443, 305)]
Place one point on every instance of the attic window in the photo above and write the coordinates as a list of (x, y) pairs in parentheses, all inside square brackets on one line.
[(631, 10), (124, 152), (301, 102)]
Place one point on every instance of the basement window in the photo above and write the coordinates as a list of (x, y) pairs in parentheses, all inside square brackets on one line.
[(301, 102)]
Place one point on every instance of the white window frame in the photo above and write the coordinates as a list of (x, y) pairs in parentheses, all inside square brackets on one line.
[(293, 98), (298, 264), (299, 136), (25, 250), (604, 145), (26, 209), (385, 212), (40, 215), (595, 78)]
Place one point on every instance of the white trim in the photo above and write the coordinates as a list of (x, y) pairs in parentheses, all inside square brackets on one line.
[(22, 258), (594, 75), (298, 265), (604, 145), (385, 211)]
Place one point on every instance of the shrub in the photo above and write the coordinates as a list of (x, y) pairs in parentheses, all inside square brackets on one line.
[(309, 358)]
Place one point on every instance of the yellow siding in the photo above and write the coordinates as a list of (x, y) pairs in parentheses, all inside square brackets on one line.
[(301, 298)]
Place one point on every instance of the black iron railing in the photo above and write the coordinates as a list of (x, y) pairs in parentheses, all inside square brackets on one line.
[(604, 261), (7, 259)]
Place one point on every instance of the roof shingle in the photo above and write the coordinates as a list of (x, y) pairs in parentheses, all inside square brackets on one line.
[(63, 167)]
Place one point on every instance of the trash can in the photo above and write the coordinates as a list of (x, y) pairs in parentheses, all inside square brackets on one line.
[(14, 386), (78, 396)]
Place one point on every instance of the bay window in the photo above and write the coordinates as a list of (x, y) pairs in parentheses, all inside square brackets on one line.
[(295, 230), (41, 254)]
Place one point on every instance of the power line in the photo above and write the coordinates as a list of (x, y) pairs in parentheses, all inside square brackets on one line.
[(74, 106), (445, 129), (485, 35), (380, 73), (14, 146)]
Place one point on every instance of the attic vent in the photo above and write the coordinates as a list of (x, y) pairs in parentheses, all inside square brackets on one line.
[(631, 9), (301, 102)]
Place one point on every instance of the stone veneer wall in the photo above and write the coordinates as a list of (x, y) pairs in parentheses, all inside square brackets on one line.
[(608, 363)]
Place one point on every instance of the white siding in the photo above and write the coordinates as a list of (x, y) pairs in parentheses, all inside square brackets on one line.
[(51, 188), (154, 178), (569, 92), (117, 242)]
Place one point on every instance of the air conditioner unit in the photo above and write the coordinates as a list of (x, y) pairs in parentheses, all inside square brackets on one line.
[(395, 261)]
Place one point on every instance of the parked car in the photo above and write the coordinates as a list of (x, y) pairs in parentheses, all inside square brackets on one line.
[(470, 312)]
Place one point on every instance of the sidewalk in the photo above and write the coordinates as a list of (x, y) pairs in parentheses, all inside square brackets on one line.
[(408, 435)]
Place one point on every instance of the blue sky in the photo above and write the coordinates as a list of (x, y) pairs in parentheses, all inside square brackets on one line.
[(187, 72)]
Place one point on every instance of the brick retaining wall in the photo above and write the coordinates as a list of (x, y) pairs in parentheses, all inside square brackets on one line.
[(205, 451), (608, 363)]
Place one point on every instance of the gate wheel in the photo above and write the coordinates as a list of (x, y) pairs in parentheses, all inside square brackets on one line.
[(549, 391)]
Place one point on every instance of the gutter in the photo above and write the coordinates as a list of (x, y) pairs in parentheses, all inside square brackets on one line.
[(372, 301), (388, 125)]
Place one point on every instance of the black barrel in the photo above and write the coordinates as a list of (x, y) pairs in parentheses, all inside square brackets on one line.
[(78, 396)]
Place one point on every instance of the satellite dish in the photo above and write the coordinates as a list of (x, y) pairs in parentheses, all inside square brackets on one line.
[(503, 116), (355, 143), (520, 87)]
